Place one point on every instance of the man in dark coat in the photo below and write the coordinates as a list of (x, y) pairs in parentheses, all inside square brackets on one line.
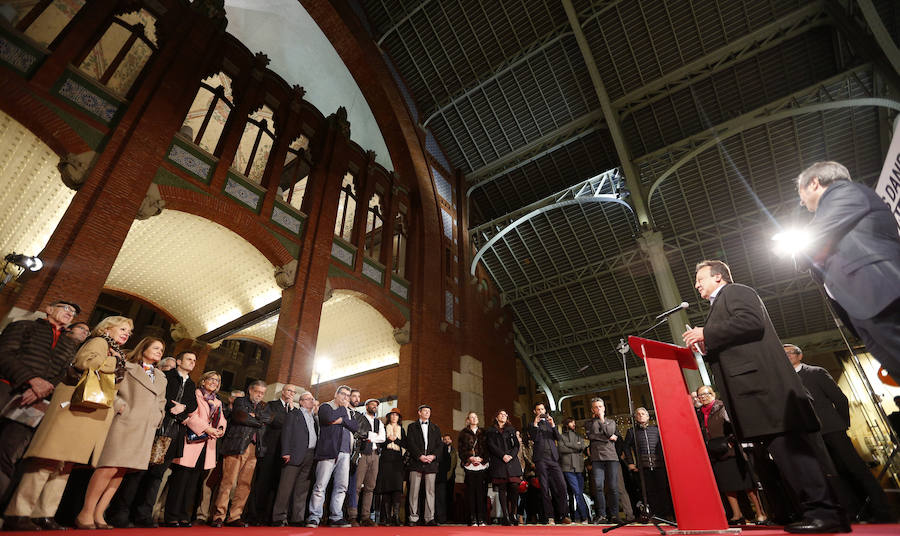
[(423, 440), (298, 449), (856, 253), (268, 468), (833, 409), (546, 465), (139, 489), (34, 357), (763, 395), (243, 443)]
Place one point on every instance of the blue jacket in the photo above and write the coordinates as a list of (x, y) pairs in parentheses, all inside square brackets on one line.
[(295, 436), (332, 436)]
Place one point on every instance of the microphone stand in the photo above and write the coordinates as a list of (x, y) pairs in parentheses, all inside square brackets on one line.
[(643, 513)]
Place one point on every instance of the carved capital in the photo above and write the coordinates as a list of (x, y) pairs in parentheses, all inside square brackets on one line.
[(74, 168), (179, 331), (402, 335), (339, 120), (152, 205), (286, 275)]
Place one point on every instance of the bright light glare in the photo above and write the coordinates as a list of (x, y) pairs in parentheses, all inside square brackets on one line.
[(790, 242), (322, 365)]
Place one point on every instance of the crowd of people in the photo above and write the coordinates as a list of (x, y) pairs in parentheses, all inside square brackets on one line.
[(167, 451)]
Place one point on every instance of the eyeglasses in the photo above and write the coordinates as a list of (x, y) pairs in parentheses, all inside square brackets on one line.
[(701, 395), (67, 308)]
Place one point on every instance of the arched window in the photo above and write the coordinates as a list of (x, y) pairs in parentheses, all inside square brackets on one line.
[(43, 20), (119, 57), (374, 227), (343, 225), (401, 232), (295, 173), (209, 112), (256, 145)]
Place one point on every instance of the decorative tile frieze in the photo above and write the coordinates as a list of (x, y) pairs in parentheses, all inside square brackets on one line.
[(373, 272), (287, 219), (447, 220), (448, 306), (190, 162), (242, 194), (88, 100), (342, 254), (398, 288), (16, 56)]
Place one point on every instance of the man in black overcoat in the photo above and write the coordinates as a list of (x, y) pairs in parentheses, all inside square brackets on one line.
[(763, 395), (833, 409), (423, 441), (855, 252)]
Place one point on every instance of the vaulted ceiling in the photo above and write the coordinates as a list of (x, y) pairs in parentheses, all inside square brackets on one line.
[(714, 106)]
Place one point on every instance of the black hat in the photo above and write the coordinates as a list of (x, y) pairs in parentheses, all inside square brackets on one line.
[(66, 302), (424, 406)]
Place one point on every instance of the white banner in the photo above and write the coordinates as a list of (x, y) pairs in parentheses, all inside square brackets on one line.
[(888, 187)]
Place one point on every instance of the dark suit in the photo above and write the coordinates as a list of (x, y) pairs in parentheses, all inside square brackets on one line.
[(765, 398), (268, 468), (833, 410), (857, 248), (419, 470), (294, 481), (549, 473)]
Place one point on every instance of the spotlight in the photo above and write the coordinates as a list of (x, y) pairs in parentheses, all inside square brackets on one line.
[(790, 242), (32, 264)]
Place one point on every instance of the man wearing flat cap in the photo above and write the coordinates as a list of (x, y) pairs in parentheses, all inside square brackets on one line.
[(371, 436), (34, 356), (423, 440)]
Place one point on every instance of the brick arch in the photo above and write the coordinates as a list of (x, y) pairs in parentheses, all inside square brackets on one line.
[(218, 209), (42, 121), (115, 291), (373, 295)]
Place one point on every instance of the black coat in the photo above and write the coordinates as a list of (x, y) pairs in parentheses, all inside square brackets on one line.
[(545, 438), (856, 246), (832, 406), (763, 394), (27, 351), (415, 444), (243, 426), (500, 443), (472, 444), (295, 436), (272, 438), (183, 393)]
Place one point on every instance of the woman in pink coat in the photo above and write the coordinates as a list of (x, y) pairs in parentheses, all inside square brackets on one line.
[(205, 425)]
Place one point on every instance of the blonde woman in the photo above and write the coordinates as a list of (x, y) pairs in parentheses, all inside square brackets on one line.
[(139, 407), (68, 435), (199, 454)]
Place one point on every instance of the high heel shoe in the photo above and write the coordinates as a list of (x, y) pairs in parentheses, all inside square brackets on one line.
[(84, 526), (739, 521)]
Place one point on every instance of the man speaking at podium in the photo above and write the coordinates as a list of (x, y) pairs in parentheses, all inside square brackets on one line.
[(763, 394)]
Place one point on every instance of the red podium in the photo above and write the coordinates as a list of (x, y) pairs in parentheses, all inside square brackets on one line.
[(695, 496)]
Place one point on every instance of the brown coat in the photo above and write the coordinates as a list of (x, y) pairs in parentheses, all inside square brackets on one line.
[(139, 410), (75, 435)]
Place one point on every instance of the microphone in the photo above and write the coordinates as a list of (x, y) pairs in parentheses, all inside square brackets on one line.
[(673, 310)]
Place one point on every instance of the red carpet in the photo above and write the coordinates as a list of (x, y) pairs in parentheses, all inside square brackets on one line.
[(447, 530)]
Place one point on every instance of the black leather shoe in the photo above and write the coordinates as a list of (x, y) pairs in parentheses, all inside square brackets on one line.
[(47, 523), (237, 523), (737, 522), (145, 523), (282, 523), (171, 524), (816, 526), (216, 523), (19, 523), (432, 523)]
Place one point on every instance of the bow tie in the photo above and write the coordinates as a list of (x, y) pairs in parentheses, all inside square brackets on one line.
[(423, 423)]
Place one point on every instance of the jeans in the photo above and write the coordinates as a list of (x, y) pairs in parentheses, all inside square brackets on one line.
[(340, 469), (575, 483), (606, 479)]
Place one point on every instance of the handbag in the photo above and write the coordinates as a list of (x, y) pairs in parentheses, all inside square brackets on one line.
[(192, 438), (95, 390), (159, 449), (718, 447)]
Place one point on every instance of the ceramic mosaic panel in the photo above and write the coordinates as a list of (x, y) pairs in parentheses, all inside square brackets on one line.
[(242, 194), (341, 254), (399, 288), (190, 162), (85, 98), (286, 219), (373, 272), (16, 56)]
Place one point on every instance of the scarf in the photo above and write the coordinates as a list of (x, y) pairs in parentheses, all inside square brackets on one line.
[(210, 397), (116, 351), (706, 410)]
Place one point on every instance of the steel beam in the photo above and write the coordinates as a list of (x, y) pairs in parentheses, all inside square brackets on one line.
[(541, 377), (632, 176), (769, 36), (422, 3)]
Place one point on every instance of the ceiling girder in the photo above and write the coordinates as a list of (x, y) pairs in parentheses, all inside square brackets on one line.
[(878, 47), (422, 3), (601, 382), (769, 36), (540, 376)]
